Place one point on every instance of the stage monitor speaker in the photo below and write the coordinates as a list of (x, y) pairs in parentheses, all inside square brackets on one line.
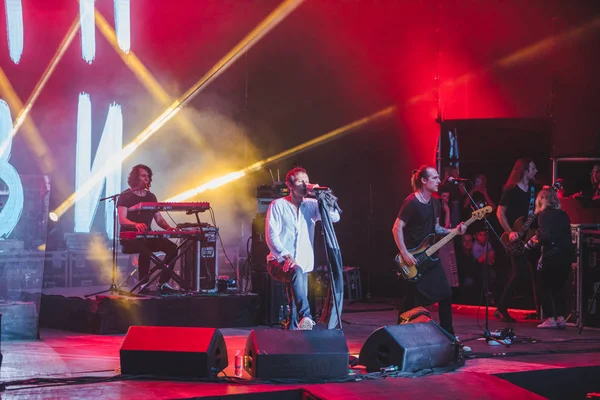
[(276, 354), (411, 347), (173, 351)]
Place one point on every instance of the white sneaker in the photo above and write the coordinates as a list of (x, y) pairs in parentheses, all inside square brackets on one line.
[(306, 324), (466, 349), (549, 323), (560, 321)]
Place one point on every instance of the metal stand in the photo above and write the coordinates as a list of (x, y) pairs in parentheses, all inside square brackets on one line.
[(331, 277), (486, 332), (113, 289)]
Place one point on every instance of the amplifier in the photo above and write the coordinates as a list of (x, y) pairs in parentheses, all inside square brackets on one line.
[(265, 194), (586, 275), (209, 262)]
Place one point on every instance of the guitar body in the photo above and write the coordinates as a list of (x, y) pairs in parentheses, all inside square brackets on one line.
[(425, 252), (517, 247), (413, 273)]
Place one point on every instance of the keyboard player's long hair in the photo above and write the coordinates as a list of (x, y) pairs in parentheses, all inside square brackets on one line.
[(134, 175)]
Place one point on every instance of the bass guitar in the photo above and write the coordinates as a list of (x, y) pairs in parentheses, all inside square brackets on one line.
[(521, 226), (425, 251)]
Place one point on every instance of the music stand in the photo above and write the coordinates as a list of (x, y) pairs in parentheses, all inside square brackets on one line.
[(113, 289), (488, 226)]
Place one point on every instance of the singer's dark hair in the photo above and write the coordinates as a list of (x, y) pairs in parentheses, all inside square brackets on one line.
[(134, 175), (518, 171), (418, 174), (292, 174)]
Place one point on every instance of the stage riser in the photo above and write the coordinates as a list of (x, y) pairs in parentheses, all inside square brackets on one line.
[(116, 314)]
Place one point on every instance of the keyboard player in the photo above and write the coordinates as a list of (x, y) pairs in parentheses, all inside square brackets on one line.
[(139, 181)]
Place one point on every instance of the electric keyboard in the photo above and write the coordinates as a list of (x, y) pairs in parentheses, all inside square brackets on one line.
[(190, 207), (188, 233)]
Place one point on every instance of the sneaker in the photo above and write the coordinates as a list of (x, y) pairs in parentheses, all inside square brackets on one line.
[(166, 288), (561, 322), (306, 324), (467, 349), (504, 315), (549, 323)]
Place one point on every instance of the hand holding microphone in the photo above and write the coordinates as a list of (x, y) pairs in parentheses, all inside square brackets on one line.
[(315, 187)]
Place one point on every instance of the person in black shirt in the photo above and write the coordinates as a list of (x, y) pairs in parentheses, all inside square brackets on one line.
[(517, 201), (554, 235), (139, 181), (419, 217)]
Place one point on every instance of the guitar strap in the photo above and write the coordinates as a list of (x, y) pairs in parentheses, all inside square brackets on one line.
[(531, 200)]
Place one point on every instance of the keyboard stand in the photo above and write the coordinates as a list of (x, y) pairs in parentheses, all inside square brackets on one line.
[(160, 266)]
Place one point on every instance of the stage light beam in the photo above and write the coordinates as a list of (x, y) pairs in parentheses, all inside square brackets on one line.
[(147, 80), (60, 52), (270, 22), (218, 182)]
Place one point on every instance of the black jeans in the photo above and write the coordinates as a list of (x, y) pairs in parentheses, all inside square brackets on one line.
[(432, 288), (553, 280), (520, 273), (145, 247)]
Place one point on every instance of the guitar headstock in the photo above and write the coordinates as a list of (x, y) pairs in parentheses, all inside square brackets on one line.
[(479, 214)]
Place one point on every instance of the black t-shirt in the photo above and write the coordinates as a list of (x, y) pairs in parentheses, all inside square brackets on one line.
[(516, 202), (129, 199), (419, 219)]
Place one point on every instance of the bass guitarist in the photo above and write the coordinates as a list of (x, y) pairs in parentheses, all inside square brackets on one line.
[(419, 217), (518, 200)]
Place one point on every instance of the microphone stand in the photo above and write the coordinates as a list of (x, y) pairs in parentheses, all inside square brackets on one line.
[(113, 289), (485, 283), (332, 291)]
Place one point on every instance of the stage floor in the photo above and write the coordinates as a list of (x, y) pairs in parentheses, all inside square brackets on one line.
[(554, 359)]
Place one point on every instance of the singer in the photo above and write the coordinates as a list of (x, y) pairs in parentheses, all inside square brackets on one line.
[(290, 232), (139, 181)]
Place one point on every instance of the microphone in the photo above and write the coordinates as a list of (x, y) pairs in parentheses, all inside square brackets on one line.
[(311, 187), (456, 180)]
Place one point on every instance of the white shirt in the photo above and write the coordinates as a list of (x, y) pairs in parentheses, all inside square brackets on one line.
[(292, 231)]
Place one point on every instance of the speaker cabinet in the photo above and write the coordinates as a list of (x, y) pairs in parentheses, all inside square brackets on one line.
[(276, 354), (173, 351), (259, 247), (272, 297), (411, 347)]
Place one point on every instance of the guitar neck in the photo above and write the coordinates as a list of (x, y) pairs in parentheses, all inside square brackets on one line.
[(528, 223), (446, 239)]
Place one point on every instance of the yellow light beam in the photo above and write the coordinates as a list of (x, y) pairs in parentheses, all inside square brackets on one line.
[(32, 135), (60, 52), (146, 78), (215, 183), (274, 18)]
